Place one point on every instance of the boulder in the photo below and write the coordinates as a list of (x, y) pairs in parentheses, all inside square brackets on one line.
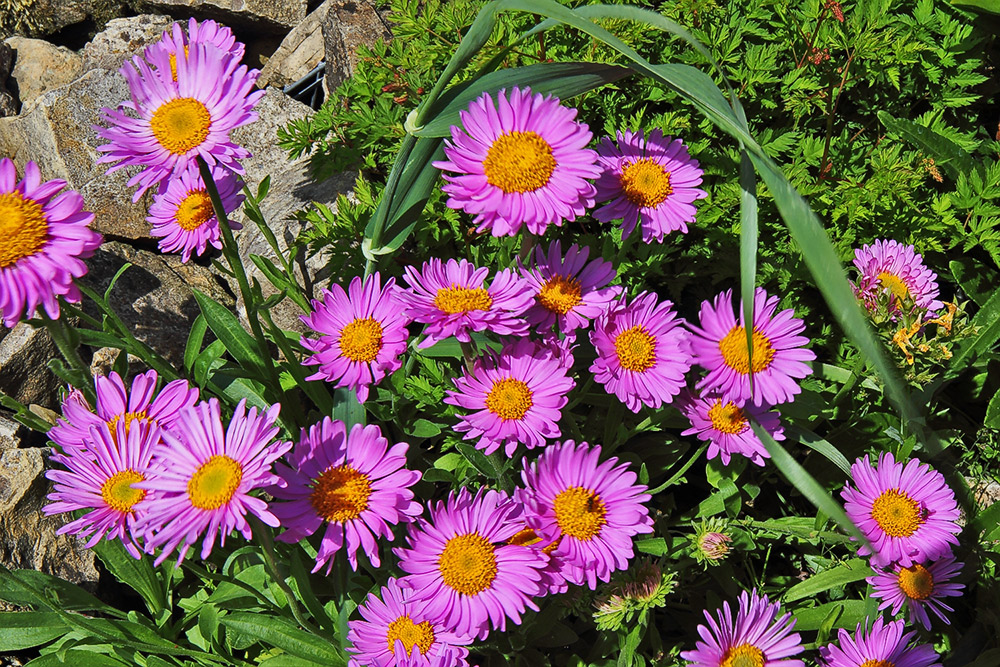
[(9, 105), (10, 433), (299, 52), (24, 374), (121, 39), (28, 538), (40, 66), (276, 15), (34, 18), (348, 25)]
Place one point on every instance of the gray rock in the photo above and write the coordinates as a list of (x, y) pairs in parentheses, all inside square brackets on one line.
[(24, 374), (299, 53), (9, 105), (121, 39), (275, 14), (34, 18), (28, 538), (10, 437), (291, 190), (154, 296), (40, 66), (348, 25)]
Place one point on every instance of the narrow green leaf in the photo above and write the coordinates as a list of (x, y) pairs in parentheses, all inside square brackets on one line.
[(16, 587), (99, 338), (812, 618), (282, 633), (26, 629), (977, 281), (946, 153), (988, 322), (74, 657), (993, 412), (227, 328), (195, 339), (853, 570), (748, 248), (479, 461), (813, 441), (139, 574), (654, 546), (346, 407), (114, 280)]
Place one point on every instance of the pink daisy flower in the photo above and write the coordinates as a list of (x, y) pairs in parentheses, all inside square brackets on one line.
[(890, 270), (182, 216), (884, 645), (591, 509), (524, 163), (720, 346), (460, 565), (919, 588), (354, 483), (553, 574), (517, 397), (362, 334), (175, 41), (451, 299), (45, 238), (569, 291), (726, 427), (397, 633), (642, 352), (101, 480), (200, 480), (175, 122), (908, 513), (649, 182), (756, 637), (141, 403)]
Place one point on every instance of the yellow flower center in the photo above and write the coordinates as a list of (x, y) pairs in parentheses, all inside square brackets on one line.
[(727, 418), (456, 299), (129, 417), (734, 351), (636, 349), (468, 564), (341, 493), (411, 634), (24, 229), (118, 493), (645, 183), (579, 512), (194, 210), (894, 284), (524, 538), (181, 124), (744, 655), (215, 482), (361, 340), (917, 582), (560, 294), (896, 513), (509, 399), (519, 162), (872, 662)]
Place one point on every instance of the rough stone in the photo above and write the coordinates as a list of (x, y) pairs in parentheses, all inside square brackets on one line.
[(291, 190), (348, 25), (121, 39), (28, 538), (10, 436), (24, 374), (299, 53), (40, 66), (275, 14), (154, 296), (35, 18), (9, 105)]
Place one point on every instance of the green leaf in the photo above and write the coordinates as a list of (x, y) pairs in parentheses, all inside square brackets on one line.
[(991, 6), (16, 587), (813, 441), (479, 461), (987, 320), (74, 657), (993, 412), (139, 574), (562, 79), (282, 633), (654, 546), (748, 248), (945, 152), (227, 328), (978, 281), (26, 629), (194, 341), (424, 429), (853, 570), (812, 618)]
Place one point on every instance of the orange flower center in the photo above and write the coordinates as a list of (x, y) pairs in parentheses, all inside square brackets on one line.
[(411, 634), (118, 493), (341, 493), (181, 124), (509, 399), (361, 340), (456, 299), (645, 183), (23, 228), (636, 349), (917, 582), (727, 418), (579, 512), (215, 483), (735, 355), (519, 162), (894, 284), (194, 210), (468, 564), (744, 655), (896, 513), (560, 294)]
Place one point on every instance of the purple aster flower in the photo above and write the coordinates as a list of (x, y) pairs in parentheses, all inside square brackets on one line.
[(647, 181), (101, 480), (524, 163), (756, 637), (592, 509), (908, 513), (397, 633), (115, 403), (362, 334), (553, 574), (182, 216), (724, 424), (569, 291), (720, 346), (451, 299), (210, 33), (642, 352), (45, 238), (889, 269), (517, 397), (201, 477), (175, 122), (460, 565), (919, 588), (354, 483), (884, 645)]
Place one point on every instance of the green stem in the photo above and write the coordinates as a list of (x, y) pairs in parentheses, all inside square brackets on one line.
[(680, 473), (23, 414), (267, 548), (382, 210), (60, 334)]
